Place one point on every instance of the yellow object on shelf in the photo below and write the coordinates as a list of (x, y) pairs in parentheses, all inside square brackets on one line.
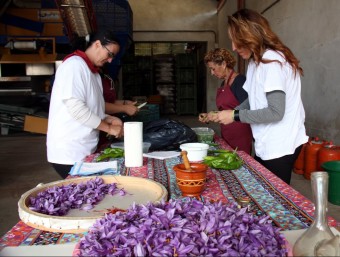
[(35, 124)]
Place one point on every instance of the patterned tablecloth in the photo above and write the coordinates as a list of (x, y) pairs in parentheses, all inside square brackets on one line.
[(268, 195)]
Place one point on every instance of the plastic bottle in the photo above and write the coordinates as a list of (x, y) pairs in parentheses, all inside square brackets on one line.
[(319, 230)]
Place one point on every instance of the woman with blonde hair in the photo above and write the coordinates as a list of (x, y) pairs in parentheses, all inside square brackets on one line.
[(274, 108), (229, 95)]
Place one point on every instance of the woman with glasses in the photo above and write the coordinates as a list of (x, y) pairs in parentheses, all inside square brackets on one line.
[(229, 95), (274, 108), (77, 106)]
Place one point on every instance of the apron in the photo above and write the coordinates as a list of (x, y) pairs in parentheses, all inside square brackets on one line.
[(236, 134), (109, 91)]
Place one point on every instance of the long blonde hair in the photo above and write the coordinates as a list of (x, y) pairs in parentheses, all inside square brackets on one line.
[(251, 30)]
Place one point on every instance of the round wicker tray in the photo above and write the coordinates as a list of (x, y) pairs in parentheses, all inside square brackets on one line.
[(138, 190)]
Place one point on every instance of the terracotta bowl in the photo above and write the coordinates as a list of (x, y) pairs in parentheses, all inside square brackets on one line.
[(191, 183)]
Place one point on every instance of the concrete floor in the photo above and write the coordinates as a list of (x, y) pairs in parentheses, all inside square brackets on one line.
[(23, 166)]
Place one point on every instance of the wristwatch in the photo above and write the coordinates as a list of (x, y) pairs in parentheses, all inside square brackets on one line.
[(236, 115)]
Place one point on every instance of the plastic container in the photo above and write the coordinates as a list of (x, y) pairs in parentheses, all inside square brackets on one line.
[(299, 164), (196, 151), (204, 134), (146, 146), (328, 152), (311, 155), (333, 170)]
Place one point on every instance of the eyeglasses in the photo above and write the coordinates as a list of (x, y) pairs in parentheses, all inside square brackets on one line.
[(109, 53)]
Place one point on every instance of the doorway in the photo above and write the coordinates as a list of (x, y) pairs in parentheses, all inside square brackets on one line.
[(172, 73)]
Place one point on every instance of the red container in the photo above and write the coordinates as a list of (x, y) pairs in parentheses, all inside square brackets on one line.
[(311, 155), (328, 152), (299, 164)]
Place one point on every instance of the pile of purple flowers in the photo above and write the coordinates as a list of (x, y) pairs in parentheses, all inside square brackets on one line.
[(183, 228), (59, 200)]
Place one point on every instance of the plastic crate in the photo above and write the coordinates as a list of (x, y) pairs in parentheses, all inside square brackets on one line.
[(161, 48), (143, 49), (185, 60), (186, 106), (179, 48), (186, 76), (114, 14), (186, 90), (144, 62), (148, 113)]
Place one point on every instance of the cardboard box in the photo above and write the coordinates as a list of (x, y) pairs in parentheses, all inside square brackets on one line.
[(35, 124)]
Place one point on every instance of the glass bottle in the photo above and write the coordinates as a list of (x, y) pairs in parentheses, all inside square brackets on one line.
[(328, 247), (319, 230)]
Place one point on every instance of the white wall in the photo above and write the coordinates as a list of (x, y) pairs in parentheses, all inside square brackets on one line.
[(310, 28)]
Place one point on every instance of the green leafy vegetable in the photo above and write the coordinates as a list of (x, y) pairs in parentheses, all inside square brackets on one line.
[(212, 144), (110, 153), (223, 159)]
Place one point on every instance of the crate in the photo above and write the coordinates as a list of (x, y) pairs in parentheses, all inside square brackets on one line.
[(144, 62), (143, 49), (179, 48), (155, 99), (186, 107), (186, 90), (186, 76), (148, 113), (161, 48), (185, 60), (114, 14), (139, 99)]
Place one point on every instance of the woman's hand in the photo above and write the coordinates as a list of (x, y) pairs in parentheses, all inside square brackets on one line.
[(128, 102), (203, 117), (113, 120), (212, 116), (116, 130), (115, 126), (131, 109), (225, 117)]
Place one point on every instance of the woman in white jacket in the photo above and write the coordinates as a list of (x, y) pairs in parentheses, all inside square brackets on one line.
[(274, 107), (77, 107)]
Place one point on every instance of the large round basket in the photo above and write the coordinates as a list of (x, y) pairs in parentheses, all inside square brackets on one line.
[(138, 190)]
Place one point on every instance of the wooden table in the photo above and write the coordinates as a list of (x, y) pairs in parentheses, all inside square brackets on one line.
[(268, 194)]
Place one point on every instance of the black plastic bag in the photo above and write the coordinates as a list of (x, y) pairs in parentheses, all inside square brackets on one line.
[(166, 134)]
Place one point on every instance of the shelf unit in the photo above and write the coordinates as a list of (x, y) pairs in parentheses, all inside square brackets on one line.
[(137, 75), (164, 77), (164, 69), (186, 84)]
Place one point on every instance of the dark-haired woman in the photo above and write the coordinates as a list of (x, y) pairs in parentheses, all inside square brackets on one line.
[(274, 108), (77, 106)]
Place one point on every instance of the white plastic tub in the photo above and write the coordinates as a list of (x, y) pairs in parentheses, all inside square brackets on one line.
[(196, 151)]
